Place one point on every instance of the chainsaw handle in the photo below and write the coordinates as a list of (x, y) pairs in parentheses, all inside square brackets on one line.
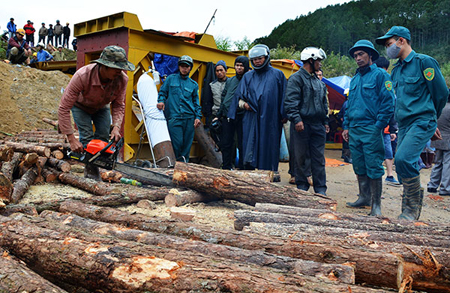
[(91, 160)]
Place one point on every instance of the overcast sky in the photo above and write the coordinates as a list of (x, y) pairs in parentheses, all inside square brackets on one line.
[(234, 19)]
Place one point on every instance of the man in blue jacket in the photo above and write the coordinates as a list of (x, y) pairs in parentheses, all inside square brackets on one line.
[(11, 26), (178, 97), (421, 95), (370, 106)]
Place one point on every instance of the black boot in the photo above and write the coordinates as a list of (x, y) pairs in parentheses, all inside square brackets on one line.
[(375, 192), (364, 193), (412, 199), (92, 172)]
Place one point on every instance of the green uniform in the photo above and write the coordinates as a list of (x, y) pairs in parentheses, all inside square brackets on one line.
[(421, 95), (180, 96)]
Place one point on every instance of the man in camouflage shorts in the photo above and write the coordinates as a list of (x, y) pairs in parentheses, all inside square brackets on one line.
[(95, 93)]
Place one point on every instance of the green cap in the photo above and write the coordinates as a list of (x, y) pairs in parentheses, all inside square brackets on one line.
[(365, 46), (399, 31), (115, 57)]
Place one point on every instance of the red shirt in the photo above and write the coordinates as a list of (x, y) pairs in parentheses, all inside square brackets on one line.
[(29, 29), (86, 92)]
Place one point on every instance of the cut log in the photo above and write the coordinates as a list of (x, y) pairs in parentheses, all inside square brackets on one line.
[(51, 122), (244, 217), (58, 154), (207, 144), (110, 175), (6, 153), (29, 148), (378, 268), (341, 273), (27, 209), (89, 185), (59, 164), (21, 186), (17, 277), (50, 174), (28, 161), (8, 168), (177, 198), (111, 265), (6, 189), (247, 189), (37, 140)]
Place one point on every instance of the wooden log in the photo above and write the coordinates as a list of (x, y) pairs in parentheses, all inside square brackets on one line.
[(51, 122), (57, 154), (53, 134), (59, 164), (6, 153), (22, 185), (89, 185), (111, 265), (17, 277), (50, 174), (27, 209), (8, 168), (27, 162), (243, 217), (177, 198), (37, 140), (341, 273), (229, 185), (56, 145), (207, 144), (6, 189), (29, 148), (110, 175)]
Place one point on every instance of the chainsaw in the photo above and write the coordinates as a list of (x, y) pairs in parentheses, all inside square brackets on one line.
[(104, 155)]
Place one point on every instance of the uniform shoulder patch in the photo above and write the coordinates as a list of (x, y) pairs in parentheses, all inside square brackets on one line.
[(429, 73), (388, 85)]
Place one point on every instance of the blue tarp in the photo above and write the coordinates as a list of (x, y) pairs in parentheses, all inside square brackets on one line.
[(165, 64)]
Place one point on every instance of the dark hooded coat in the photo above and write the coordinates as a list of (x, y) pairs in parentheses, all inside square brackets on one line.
[(263, 90)]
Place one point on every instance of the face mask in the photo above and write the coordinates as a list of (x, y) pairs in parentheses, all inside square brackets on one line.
[(393, 50)]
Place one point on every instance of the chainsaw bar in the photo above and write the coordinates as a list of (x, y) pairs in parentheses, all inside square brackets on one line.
[(145, 176)]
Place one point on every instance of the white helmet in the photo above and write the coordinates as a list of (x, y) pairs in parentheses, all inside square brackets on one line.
[(313, 53)]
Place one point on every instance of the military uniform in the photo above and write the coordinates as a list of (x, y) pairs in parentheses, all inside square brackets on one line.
[(180, 96)]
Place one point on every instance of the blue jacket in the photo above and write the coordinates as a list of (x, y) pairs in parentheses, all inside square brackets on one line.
[(11, 26), (420, 88), (370, 100), (180, 96), (43, 55)]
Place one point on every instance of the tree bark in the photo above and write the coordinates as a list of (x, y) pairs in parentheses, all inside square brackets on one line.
[(244, 217), (341, 273), (59, 164), (176, 198), (6, 153), (206, 143), (27, 209), (17, 277), (29, 148), (8, 168), (111, 265), (27, 162), (49, 174), (6, 189), (247, 189), (89, 185), (23, 184), (54, 123)]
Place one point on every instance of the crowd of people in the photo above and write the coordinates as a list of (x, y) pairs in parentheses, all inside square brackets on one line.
[(250, 108), (51, 41)]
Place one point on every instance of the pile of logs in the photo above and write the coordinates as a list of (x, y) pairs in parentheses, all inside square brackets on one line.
[(286, 241)]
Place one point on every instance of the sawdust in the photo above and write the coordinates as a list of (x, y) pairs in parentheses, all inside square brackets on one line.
[(27, 95)]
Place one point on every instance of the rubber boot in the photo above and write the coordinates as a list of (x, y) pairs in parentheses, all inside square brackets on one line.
[(412, 199), (364, 193), (92, 172), (375, 191)]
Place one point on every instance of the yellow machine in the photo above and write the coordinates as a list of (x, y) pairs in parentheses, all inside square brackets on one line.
[(125, 30)]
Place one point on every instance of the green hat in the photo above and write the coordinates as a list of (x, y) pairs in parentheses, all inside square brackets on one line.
[(365, 46), (115, 57), (399, 31)]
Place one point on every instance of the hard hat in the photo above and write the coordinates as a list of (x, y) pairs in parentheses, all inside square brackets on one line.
[(259, 50), (365, 46), (313, 53), (346, 91), (41, 44), (59, 46), (185, 59), (20, 31), (34, 54)]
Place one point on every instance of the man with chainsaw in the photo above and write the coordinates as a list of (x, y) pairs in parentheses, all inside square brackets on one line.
[(96, 93)]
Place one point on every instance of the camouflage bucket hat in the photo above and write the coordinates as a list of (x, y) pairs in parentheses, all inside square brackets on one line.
[(115, 57)]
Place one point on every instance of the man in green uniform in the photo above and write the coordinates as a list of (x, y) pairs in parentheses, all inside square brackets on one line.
[(178, 97), (370, 106), (421, 95)]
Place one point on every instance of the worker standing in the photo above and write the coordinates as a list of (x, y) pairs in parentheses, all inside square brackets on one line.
[(217, 87), (43, 32), (58, 29), (421, 95), (29, 32), (95, 93), (261, 94), (66, 33), (306, 106), (178, 97), (369, 108), (11, 26)]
